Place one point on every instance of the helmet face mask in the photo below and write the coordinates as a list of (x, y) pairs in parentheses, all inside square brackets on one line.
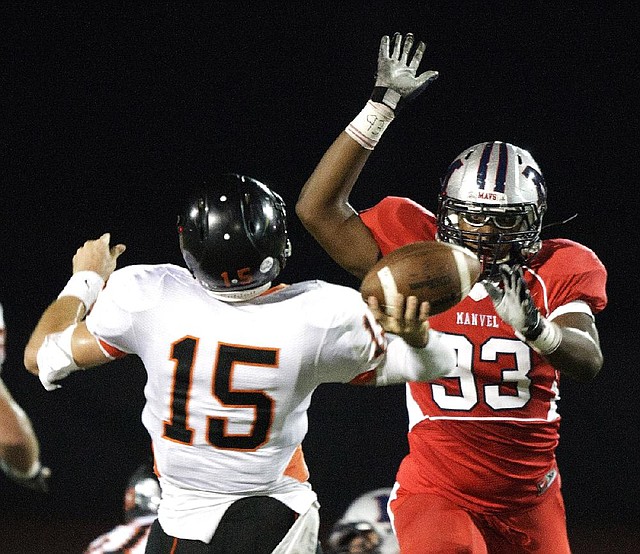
[(356, 536), (492, 202), (233, 236)]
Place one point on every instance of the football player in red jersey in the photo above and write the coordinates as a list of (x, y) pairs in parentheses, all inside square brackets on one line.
[(481, 472), (231, 362)]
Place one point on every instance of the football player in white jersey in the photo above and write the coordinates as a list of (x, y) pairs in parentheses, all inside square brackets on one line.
[(19, 445), (231, 365)]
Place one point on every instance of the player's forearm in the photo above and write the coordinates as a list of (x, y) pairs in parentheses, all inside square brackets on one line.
[(404, 363), (19, 448), (20, 456), (324, 209), (578, 355), (62, 313), (73, 303), (325, 195)]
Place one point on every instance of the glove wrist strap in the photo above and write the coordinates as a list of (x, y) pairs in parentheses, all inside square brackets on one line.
[(548, 339), (387, 96), (18, 475)]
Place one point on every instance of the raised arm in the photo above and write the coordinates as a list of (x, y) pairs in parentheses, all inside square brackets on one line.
[(323, 205), (324, 209), (60, 340)]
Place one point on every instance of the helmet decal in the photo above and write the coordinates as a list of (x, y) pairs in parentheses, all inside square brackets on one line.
[(266, 265), (535, 175), (482, 169), (456, 164)]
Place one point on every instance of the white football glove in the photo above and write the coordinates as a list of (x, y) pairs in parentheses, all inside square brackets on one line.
[(514, 305), (396, 79)]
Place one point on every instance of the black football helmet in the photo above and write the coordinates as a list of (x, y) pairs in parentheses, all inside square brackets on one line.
[(233, 236), (497, 183), (142, 495)]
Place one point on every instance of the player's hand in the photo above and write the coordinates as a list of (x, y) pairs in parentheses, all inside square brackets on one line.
[(405, 318), (396, 80), (39, 482), (98, 256), (513, 302)]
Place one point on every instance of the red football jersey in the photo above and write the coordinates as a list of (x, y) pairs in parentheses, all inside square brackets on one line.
[(486, 436)]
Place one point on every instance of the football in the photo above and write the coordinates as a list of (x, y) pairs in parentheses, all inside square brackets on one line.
[(438, 272)]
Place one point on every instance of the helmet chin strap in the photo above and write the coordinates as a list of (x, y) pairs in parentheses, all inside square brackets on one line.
[(238, 295)]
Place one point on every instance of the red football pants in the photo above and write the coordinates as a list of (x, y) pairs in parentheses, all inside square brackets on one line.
[(430, 524)]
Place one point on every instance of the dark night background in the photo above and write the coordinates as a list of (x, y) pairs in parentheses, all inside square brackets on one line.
[(107, 108)]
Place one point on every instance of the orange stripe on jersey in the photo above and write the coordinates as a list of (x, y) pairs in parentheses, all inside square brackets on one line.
[(366, 378), (155, 463), (297, 468), (112, 350), (274, 289)]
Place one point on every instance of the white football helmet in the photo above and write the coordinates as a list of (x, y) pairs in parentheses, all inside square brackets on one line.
[(142, 495), (499, 184), (367, 513)]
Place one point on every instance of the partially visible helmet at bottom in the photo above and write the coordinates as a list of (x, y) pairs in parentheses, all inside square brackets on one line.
[(356, 536), (233, 236), (497, 184), (365, 526), (142, 495)]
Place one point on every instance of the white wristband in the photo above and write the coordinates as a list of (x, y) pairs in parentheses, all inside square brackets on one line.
[(17, 474), (549, 339), (368, 126), (85, 285)]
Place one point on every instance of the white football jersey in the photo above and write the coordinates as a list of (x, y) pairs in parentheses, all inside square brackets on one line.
[(229, 384)]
